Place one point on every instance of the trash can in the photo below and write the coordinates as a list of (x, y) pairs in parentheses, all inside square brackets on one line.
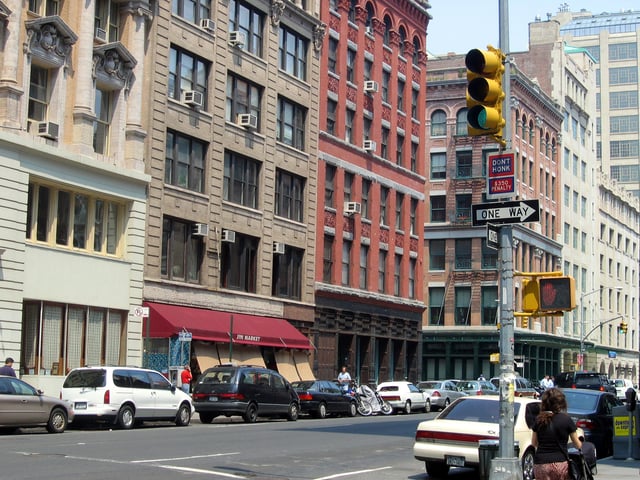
[(487, 451)]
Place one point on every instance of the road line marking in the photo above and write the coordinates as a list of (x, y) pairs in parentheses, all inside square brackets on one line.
[(198, 470), (184, 458), (347, 474)]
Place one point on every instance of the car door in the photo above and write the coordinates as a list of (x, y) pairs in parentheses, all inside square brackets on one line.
[(418, 398), (30, 409), (142, 394), (336, 401), (164, 394), (280, 393)]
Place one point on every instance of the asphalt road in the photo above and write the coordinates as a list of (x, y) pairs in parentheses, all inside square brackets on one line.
[(355, 448)]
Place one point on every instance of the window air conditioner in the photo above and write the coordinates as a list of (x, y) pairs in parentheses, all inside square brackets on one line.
[(208, 25), (352, 207), (200, 230), (248, 120), (101, 35), (228, 236), (193, 98), (369, 145), (370, 86), (278, 248), (48, 129), (237, 39)]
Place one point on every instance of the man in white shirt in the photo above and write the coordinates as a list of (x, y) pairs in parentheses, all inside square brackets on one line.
[(344, 379)]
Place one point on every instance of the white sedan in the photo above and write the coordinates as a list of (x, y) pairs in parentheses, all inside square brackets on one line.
[(404, 396)]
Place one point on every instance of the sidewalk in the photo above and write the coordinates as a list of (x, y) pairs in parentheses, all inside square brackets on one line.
[(618, 469)]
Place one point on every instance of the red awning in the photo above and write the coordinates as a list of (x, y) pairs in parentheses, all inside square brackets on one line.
[(215, 326)]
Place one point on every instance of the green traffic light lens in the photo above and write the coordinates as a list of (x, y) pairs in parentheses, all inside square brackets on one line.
[(482, 119)]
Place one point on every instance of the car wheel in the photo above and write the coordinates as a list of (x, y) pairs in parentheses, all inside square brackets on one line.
[(353, 409), (407, 407), (437, 469), (322, 410), (205, 417), (184, 415), (126, 417), (57, 421), (527, 465), (251, 414), (427, 406), (292, 415)]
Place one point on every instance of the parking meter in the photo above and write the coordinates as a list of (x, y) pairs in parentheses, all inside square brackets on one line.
[(630, 395)]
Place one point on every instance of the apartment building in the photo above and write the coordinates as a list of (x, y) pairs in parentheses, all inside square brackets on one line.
[(462, 272), (369, 274), (73, 196)]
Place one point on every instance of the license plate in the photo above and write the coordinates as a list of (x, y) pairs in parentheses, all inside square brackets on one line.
[(80, 405), (454, 461), (213, 399)]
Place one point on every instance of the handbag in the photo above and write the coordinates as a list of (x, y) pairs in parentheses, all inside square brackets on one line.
[(577, 471)]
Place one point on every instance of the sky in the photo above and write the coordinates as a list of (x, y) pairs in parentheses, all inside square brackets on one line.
[(454, 21)]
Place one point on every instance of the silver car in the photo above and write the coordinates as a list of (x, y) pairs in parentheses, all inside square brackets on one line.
[(441, 392)]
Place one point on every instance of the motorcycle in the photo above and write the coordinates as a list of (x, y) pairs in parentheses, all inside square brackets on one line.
[(368, 401)]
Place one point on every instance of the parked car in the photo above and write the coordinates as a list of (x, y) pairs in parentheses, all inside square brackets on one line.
[(523, 387), (441, 392), (125, 396), (477, 387), (320, 398), (592, 410), (21, 405), (404, 396), (244, 390), (451, 438), (582, 379), (622, 385)]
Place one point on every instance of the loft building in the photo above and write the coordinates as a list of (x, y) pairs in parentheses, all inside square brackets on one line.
[(371, 176)]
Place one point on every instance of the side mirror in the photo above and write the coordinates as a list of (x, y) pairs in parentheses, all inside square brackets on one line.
[(630, 396)]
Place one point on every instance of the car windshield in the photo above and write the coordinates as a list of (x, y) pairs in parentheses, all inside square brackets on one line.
[(587, 380), (580, 401), (619, 383), (218, 375), (471, 410), (302, 386), (95, 378)]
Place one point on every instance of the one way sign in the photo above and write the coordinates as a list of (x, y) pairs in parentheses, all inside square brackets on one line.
[(520, 211)]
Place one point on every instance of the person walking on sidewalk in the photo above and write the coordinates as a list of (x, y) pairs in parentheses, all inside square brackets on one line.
[(7, 368), (185, 379)]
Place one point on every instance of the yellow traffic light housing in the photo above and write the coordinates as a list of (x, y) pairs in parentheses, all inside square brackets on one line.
[(623, 328), (484, 93), (557, 294), (530, 296)]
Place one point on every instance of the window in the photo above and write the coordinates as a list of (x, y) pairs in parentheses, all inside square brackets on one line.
[(182, 252), (623, 148), (293, 53), (289, 196), (187, 73), (438, 165), (364, 266), (366, 189), (415, 97), (239, 263), (192, 10), (39, 94), (461, 122), (327, 259), (489, 257), (384, 198), (249, 20), (368, 67), (332, 55), (291, 123), (438, 123), (413, 217), (346, 263), (388, 26), (382, 271), (399, 210), (386, 78), (414, 156), (464, 164), (623, 124), (384, 143), (463, 305), (107, 18), (437, 254), (184, 162), (397, 271), (489, 305), (348, 185), (463, 254), (401, 86), (45, 8), (287, 274), (332, 106), (103, 108), (75, 220), (348, 125), (438, 208), (351, 65), (436, 306), (399, 149), (242, 97), (412, 278), (463, 207), (77, 335), (620, 100), (329, 189), (623, 51), (240, 181)]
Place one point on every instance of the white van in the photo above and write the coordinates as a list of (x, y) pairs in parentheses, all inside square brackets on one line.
[(622, 385), (124, 395)]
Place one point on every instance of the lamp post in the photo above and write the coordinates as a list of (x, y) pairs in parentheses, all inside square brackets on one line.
[(594, 328), (582, 322)]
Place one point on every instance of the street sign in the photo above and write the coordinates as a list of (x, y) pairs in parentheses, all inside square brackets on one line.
[(493, 238), (501, 181), (185, 336), (141, 312), (520, 211)]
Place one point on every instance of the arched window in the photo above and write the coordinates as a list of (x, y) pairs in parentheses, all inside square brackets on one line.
[(518, 124), (532, 132), (438, 123), (416, 50), (403, 38), (461, 122), (541, 140), (369, 22), (547, 145), (352, 11), (387, 31)]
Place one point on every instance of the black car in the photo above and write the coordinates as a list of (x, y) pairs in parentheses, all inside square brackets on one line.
[(592, 410), (244, 390), (320, 398), (588, 380)]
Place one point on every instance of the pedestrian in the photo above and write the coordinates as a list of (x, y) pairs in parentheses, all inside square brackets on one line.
[(344, 379), (7, 368), (551, 432), (185, 378), (546, 382), (481, 378)]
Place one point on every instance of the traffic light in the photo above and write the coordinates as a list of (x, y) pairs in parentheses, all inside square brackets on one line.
[(557, 294), (484, 92), (622, 328), (524, 322), (530, 296)]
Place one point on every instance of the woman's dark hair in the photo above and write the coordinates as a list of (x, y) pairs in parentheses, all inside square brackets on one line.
[(552, 401)]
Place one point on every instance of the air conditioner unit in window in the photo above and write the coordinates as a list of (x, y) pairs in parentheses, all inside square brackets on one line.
[(237, 39), (228, 236), (278, 248), (352, 207), (100, 35), (370, 86), (208, 25), (200, 230), (248, 120), (369, 145), (193, 98), (48, 129)]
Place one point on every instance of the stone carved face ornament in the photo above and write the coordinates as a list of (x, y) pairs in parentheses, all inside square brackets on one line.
[(48, 37), (111, 62)]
